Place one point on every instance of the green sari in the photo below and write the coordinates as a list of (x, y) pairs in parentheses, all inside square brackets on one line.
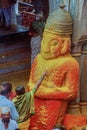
[(25, 105)]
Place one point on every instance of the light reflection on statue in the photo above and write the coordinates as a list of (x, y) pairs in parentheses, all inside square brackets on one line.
[(60, 84)]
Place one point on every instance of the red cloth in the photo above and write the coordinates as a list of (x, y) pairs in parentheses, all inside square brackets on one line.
[(12, 95), (47, 113), (27, 19), (73, 120)]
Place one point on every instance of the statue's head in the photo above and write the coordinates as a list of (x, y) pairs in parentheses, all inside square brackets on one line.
[(57, 34)]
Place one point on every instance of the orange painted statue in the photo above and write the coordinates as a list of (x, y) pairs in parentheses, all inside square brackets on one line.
[(60, 85)]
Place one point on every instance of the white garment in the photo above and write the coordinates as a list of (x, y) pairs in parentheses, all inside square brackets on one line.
[(16, 7), (12, 125), (13, 15)]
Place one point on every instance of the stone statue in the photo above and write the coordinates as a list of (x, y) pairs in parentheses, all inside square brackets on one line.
[(61, 82)]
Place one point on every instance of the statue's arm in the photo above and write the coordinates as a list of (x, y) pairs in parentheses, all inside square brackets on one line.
[(68, 89)]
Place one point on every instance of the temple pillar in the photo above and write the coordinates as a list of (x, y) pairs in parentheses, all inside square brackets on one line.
[(79, 40), (79, 47)]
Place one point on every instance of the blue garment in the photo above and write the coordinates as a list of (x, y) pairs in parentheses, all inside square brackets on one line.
[(13, 15), (7, 14), (12, 125), (6, 102)]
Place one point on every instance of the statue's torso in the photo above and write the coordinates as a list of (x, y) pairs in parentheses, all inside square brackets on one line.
[(57, 70)]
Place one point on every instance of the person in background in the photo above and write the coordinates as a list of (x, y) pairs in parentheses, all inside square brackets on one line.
[(12, 4), (5, 9), (4, 101), (2, 21), (8, 10), (35, 31), (24, 103), (8, 86), (16, 8), (6, 123)]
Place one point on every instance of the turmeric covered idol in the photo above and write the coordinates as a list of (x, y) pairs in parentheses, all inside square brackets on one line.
[(60, 85)]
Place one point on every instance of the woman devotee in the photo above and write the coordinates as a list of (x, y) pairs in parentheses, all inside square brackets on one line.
[(24, 103), (35, 31), (61, 82)]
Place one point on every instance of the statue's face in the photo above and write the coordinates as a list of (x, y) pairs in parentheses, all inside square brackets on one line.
[(51, 45)]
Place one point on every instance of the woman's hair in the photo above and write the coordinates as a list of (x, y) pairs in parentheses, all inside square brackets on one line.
[(20, 90)]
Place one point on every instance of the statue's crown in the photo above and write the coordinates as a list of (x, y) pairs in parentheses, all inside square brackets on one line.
[(60, 21)]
